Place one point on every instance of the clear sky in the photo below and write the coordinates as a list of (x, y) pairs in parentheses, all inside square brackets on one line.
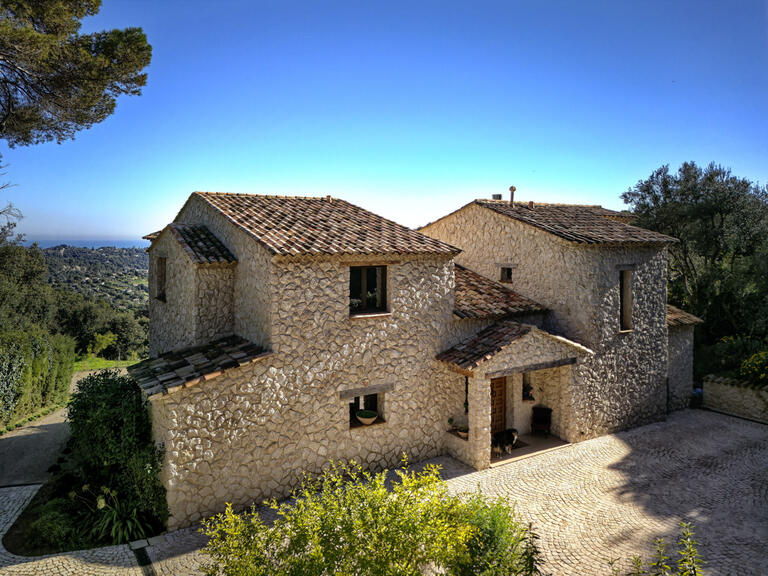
[(410, 109)]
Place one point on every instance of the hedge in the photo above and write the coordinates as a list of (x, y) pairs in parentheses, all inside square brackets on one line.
[(35, 372)]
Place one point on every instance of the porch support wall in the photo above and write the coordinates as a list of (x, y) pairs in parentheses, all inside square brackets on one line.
[(480, 422)]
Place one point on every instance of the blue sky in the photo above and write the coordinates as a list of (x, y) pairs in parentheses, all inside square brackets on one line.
[(410, 109)]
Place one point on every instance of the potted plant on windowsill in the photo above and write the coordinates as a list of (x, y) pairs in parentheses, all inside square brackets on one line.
[(367, 417), (463, 431)]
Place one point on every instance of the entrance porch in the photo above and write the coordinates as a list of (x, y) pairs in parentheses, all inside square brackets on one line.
[(512, 371)]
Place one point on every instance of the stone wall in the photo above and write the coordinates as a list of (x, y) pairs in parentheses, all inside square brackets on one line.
[(252, 290), (251, 433), (198, 305), (680, 367), (624, 383), (172, 322), (735, 397)]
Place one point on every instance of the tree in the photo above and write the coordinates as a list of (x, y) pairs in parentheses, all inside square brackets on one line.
[(719, 268), (55, 81)]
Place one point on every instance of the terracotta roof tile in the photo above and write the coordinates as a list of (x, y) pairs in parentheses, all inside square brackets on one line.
[(185, 368), (677, 317), (201, 245), (469, 353), (291, 225), (479, 297), (578, 223)]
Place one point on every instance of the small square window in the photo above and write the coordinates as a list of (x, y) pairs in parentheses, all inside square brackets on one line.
[(370, 403), (527, 388), (506, 274), (367, 289)]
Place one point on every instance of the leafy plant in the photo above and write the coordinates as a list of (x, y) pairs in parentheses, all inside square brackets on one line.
[(348, 521), (689, 562), (117, 519), (755, 369), (366, 414), (54, 525), (112, 445)]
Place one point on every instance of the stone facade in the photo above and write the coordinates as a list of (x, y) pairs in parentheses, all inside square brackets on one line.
[(251, 432), (680, 366), (736, 397), (197, 306), (624, 383)]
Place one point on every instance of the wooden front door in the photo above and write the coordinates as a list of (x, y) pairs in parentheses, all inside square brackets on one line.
[(498, 405)]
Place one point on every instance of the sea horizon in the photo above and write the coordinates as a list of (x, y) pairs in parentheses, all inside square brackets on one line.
[(88, 242)]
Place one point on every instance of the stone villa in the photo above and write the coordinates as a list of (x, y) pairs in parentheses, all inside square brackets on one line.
[(274, 320)]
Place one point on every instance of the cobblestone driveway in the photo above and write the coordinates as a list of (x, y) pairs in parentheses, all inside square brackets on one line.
[(608, 497)]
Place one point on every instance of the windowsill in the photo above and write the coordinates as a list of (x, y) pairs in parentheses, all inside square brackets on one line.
[(456, 433), (371, 315), (626, 331), (357, 424)]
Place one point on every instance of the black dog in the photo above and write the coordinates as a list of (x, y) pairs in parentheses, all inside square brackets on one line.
[(504, 441)]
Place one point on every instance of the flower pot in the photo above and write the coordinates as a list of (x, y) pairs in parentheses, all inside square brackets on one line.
[(366, 417), (463, 433)]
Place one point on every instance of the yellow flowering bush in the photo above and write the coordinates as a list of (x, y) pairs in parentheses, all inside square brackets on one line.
[(755, 369)]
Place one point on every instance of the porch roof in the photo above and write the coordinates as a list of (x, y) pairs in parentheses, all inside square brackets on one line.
[(184, 368), (467, 355)]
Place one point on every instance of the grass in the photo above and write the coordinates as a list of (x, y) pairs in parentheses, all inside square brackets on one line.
[(29, 418), (96, 363)]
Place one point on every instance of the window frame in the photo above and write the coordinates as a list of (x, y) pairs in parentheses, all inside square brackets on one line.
[(366, 401), (161, 278), (381, 294), (505, 274), (626, 300)]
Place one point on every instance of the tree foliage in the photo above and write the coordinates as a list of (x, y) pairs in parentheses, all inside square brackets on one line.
[(719, 268), (54, 80), (348, 522)]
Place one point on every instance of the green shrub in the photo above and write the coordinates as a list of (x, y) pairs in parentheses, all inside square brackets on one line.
[(112, 446), (689, 560), (54, 526), (499, 546), (755, 369), (35, 372), (349, 521)]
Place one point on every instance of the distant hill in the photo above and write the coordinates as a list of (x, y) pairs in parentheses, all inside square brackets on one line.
[(116, 275)]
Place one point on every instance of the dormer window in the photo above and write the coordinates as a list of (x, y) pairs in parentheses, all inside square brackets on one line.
[(160, 278), (367, 289)]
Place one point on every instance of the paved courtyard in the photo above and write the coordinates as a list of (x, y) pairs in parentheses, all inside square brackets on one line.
[(604, 498)]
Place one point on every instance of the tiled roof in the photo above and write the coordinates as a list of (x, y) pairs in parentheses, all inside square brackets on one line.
[(479, 297), (152, 235), (185, 368), (469, 353), (578, 223), (677, 317), (291, 225), (201, 245)]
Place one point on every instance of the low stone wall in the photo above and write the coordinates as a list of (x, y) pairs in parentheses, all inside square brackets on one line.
[(735, 397)]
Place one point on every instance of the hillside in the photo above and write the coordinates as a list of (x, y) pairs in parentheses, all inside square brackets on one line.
[(115, 275)]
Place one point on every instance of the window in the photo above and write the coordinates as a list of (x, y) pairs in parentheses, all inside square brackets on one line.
[(466, 395), (625, 300), (527, 387), (370, 402), (506, 274), (367, 289), (160, 277)]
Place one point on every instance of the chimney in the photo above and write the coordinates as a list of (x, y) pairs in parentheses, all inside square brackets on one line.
[(496, 196), (328, 198), (512, 194), (530, 204)]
